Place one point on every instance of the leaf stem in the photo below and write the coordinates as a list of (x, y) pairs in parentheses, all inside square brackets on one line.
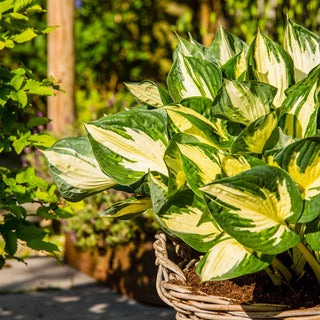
[(278, 265), (275, 279), (314, 264)]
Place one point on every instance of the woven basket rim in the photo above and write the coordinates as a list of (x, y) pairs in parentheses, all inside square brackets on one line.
[(200, 306)]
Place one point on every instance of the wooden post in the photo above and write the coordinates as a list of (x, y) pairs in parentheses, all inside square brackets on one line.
[(61, 64)]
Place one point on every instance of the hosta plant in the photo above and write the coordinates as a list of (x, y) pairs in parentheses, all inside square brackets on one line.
[(227, 155)]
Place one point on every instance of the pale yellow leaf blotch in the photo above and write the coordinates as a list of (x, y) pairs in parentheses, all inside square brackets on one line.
[(208, 169), (79, 171), (134, 207), (188, 222), (309, 180), (270, 69), (263, 212), (223, 257), (304, 57), (143, 152), (146, 92)]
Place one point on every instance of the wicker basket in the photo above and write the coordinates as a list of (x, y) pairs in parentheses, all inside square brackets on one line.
[(201, 306)]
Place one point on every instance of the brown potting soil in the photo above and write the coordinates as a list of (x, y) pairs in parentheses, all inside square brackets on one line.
[(258, 288)]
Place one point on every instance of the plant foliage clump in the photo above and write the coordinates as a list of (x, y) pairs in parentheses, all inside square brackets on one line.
[(19, 129), (227, 155)]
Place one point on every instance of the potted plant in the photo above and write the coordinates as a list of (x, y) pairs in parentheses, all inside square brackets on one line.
[(227, 159)]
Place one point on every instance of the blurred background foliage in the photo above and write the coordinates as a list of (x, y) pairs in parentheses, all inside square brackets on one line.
[(133, 40)]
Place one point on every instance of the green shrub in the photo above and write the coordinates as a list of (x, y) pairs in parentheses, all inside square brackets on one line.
[(21, 128)]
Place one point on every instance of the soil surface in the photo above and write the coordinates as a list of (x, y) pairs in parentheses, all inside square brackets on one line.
[(258, 288)]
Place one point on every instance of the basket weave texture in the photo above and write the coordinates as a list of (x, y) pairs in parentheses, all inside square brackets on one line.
[(201, 306)]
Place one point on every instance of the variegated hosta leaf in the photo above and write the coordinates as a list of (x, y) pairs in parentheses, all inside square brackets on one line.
[(190, 77), (196, 43), (259, 205), (149, 93), (313, 234), (201, 105), (243, 102), (75, 170), (224, 46), (158, 191), (268, 62), (189, 48), (232, 165), (301, 109), (255, 136), (200, 163), (129, 144), (229, 259), (186, 216), (128, 208), (236, 67), (172, 158), (303, 47), (302, 161), (185, 120), (313, 77)]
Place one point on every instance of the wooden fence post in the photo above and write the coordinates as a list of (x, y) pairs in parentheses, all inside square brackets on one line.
[(61, 64)]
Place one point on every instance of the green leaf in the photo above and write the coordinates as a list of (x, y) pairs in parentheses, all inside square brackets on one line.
[(18, 211), (129, 144), (303, 47), (64, 213), (75, 170), (20, 5), (224, 46), (229, 259), (11, 244), (301, 160), (190, 77), (6, 5), (128, 208), (158, 191), (37, 244), (37, 121), (259, 204), (236, 67), (253, 138), (25, 36), (17, 81), (150, 93), (20, 97), (35, 87), (20, 144), (243, 102), (300, 111), (268, 62), (313, 234), (28, 176), (27, 232), (18, 16), (189, 48), (46, 212), (42, 140), (185, 215)]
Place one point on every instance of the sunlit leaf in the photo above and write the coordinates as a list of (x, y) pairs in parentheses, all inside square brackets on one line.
[(259, 204)]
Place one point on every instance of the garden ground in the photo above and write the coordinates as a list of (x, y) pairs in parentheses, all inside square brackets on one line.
[(46, 290)]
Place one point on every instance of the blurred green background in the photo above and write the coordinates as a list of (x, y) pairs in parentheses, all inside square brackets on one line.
[(133, 40)]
